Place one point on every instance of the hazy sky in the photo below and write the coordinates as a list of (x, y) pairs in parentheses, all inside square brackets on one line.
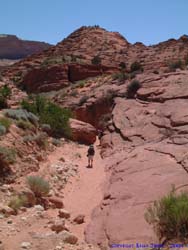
[(147, 21)]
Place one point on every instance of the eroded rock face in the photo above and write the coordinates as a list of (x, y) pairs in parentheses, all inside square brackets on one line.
[(82, 132), (146, 153)]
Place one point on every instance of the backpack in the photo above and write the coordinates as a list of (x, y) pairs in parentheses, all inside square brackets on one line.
[(91, 151)]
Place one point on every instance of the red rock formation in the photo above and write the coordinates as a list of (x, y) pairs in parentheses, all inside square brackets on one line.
[(82, 132), (12, 47)]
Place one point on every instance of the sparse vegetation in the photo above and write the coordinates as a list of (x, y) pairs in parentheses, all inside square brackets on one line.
[(25, 124), (122, 65), (132, 88), (50, 113), (176, 65), (21, 114), (121, 76), (17, 202), (169, 216), (5, 92), (7, 157), (38, 186), (136, 66), (5, 122), (96, 60)]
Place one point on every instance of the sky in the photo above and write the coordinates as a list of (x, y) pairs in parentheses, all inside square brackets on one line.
[(147, 21)]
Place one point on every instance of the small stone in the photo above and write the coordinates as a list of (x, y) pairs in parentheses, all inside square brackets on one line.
[(9, 222), (39, 208), (69, 238), (25, 245), (79, 219), (64, 214), (58, 226), (57, 202)]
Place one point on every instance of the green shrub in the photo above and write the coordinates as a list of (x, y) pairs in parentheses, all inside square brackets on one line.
[(41, 140), (3, 102), (50, 113), (7, 157), (136, 66), (81, 84), (18, 201), (121, 76), (5, 91), (176, 65), (21, 114), (24, 124), (132, 88), (169, 216), (56, 142), (38, 186), (122, 65), (2, 130), (5, 122), (104, 120), (96, 60)]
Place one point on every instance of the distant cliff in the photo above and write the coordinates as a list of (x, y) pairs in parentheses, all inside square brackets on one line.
[(11, 47)]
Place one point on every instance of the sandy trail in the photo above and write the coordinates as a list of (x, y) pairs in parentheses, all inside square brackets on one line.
[(84, 191)]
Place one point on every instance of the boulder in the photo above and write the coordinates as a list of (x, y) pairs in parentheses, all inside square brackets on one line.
[(58, 203), (64, 214), (69, 238), (82, 132), (79, 219), (58, 226)]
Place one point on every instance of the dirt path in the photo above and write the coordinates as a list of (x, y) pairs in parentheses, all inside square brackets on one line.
[(85, 192)]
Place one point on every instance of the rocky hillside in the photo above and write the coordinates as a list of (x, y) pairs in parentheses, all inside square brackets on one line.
[(11, 47), (92, 51), (138, 96)]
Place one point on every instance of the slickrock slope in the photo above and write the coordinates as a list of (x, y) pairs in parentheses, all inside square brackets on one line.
[(147, 154)]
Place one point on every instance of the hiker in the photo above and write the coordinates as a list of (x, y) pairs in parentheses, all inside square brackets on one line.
[(90, 155)]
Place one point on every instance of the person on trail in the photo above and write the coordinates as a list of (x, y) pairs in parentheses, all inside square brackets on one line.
[(90, 155)]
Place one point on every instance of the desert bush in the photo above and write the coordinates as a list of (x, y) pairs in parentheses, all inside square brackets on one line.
[(96, 60), (5, 122), (132, 88), (81, 84), (50, 113), (24, 124), (18, 201), (136, 66), (2, 130), (122, 65), (7, 157), (21, 114), (38, 186), (175, 65), (42, 140), (3, 102), (121, 76), (56, 142), (169, 216), (5, 91)]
